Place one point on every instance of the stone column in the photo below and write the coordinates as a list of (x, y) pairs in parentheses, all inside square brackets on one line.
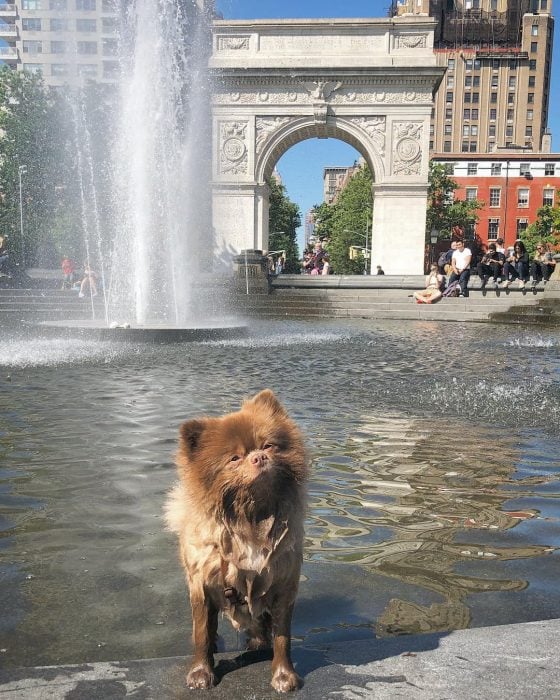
[(552, 287), (399, 228)]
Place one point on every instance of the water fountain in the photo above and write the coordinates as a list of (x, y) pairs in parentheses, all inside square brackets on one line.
[(158, 286)]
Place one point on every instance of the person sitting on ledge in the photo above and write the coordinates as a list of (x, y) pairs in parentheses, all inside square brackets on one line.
[(542, 265), (434, 283), (461, 267), (516, 266), (491, 264)]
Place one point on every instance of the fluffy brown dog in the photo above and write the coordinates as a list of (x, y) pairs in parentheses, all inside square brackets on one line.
[(238, 511)]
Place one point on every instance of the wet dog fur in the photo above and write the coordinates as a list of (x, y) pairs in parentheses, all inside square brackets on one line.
[(238, 511)]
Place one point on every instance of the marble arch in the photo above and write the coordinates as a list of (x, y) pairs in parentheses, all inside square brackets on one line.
[(369, 82)]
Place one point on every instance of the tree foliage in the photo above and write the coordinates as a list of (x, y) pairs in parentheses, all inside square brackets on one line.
[(346, 222), (546, 228), (444, 211), (283, 220)]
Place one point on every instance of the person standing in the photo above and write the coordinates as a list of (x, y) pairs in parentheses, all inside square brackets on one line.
[(68, 269), (461, 267), (380, 270), (4, 256)]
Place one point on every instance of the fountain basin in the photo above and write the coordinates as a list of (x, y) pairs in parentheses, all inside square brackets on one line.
[(150, 333)]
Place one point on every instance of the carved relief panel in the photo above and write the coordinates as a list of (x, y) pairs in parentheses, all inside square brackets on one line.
[(233, 150), (407, 148)]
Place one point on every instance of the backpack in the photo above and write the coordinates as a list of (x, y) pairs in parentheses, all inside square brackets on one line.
[(453, 290), (442, 260)]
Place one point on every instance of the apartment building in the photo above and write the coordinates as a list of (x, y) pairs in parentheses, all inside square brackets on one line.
[(498, 55), (66, 40), (511, 186)]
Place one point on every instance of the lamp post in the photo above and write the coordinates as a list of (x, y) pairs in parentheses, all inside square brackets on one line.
[(22, 170), (434, 235), (366, 254)]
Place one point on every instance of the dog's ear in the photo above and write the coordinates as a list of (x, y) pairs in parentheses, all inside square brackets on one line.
[(190, 433), (266, 400)]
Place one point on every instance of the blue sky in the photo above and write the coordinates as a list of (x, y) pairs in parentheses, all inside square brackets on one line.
[(302, 166)]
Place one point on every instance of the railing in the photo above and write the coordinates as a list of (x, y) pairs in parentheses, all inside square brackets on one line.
[(7, 52), (6, 28), (8, 7)]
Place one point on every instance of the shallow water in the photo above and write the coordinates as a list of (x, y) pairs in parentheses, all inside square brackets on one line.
[(433, 500)]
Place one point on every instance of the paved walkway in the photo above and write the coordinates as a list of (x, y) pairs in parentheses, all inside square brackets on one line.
[(485, 663)]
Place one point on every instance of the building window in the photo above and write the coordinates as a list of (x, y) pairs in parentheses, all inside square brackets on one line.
[(473, 146), (88, 70), (111, 70), (86, 25), (521, 226), (544, 4), (59, 70), (447, 146), (511, 98), (447, 129), (109, 25), (472, 168), (468, 80), (465, 147), (34, 67), (108, 5), (534, 47), (495, 64), (475, 97), (532, 81), (493, 113), (495, 195), (493, 5), (548, 198), (528, 130), (523, 197), (476, 64), (512, 82), (450, 64), (493, 229), (533, 64), (492, 130), (449, 113), (467, 97), (529, 115), (59, 47), (31, 5), (449, 97), (524, 169), (31, 25), (531, 97), (509, 130), (87, 47), (450, 81), (494, 81), (58, 5), (535, 30), (468, 64), (474, 114), (510, 115), (490, 147), (59, 25), (33, 47), (496, 169), (471, 193), (85, 5), (466, 114), (111, 48), (476, 81), (549, 169), (474, 129), (493, 97), (466, 130)]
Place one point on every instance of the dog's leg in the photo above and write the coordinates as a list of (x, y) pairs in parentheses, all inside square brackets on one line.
[(284, 677), (260, 633), (205, 625)]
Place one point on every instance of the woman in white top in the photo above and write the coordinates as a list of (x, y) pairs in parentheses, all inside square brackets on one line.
[(434, 282)]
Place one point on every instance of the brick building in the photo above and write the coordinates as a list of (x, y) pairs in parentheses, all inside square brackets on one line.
[(513, 187)]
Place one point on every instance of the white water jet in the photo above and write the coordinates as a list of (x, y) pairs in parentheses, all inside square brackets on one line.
[(161, 156)]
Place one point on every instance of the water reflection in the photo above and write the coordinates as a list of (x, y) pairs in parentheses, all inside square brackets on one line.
[(455, 510)]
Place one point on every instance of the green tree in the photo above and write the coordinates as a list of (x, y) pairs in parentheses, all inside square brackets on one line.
[(545, 228), (33, 142), (283, 220), (345, 223), (444, 211)]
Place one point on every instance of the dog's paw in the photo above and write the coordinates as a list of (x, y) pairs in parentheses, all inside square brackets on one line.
[(284, 681), (200, 678)]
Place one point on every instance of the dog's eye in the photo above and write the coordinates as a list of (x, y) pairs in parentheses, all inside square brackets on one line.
[(268, 446), (235, 458)]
